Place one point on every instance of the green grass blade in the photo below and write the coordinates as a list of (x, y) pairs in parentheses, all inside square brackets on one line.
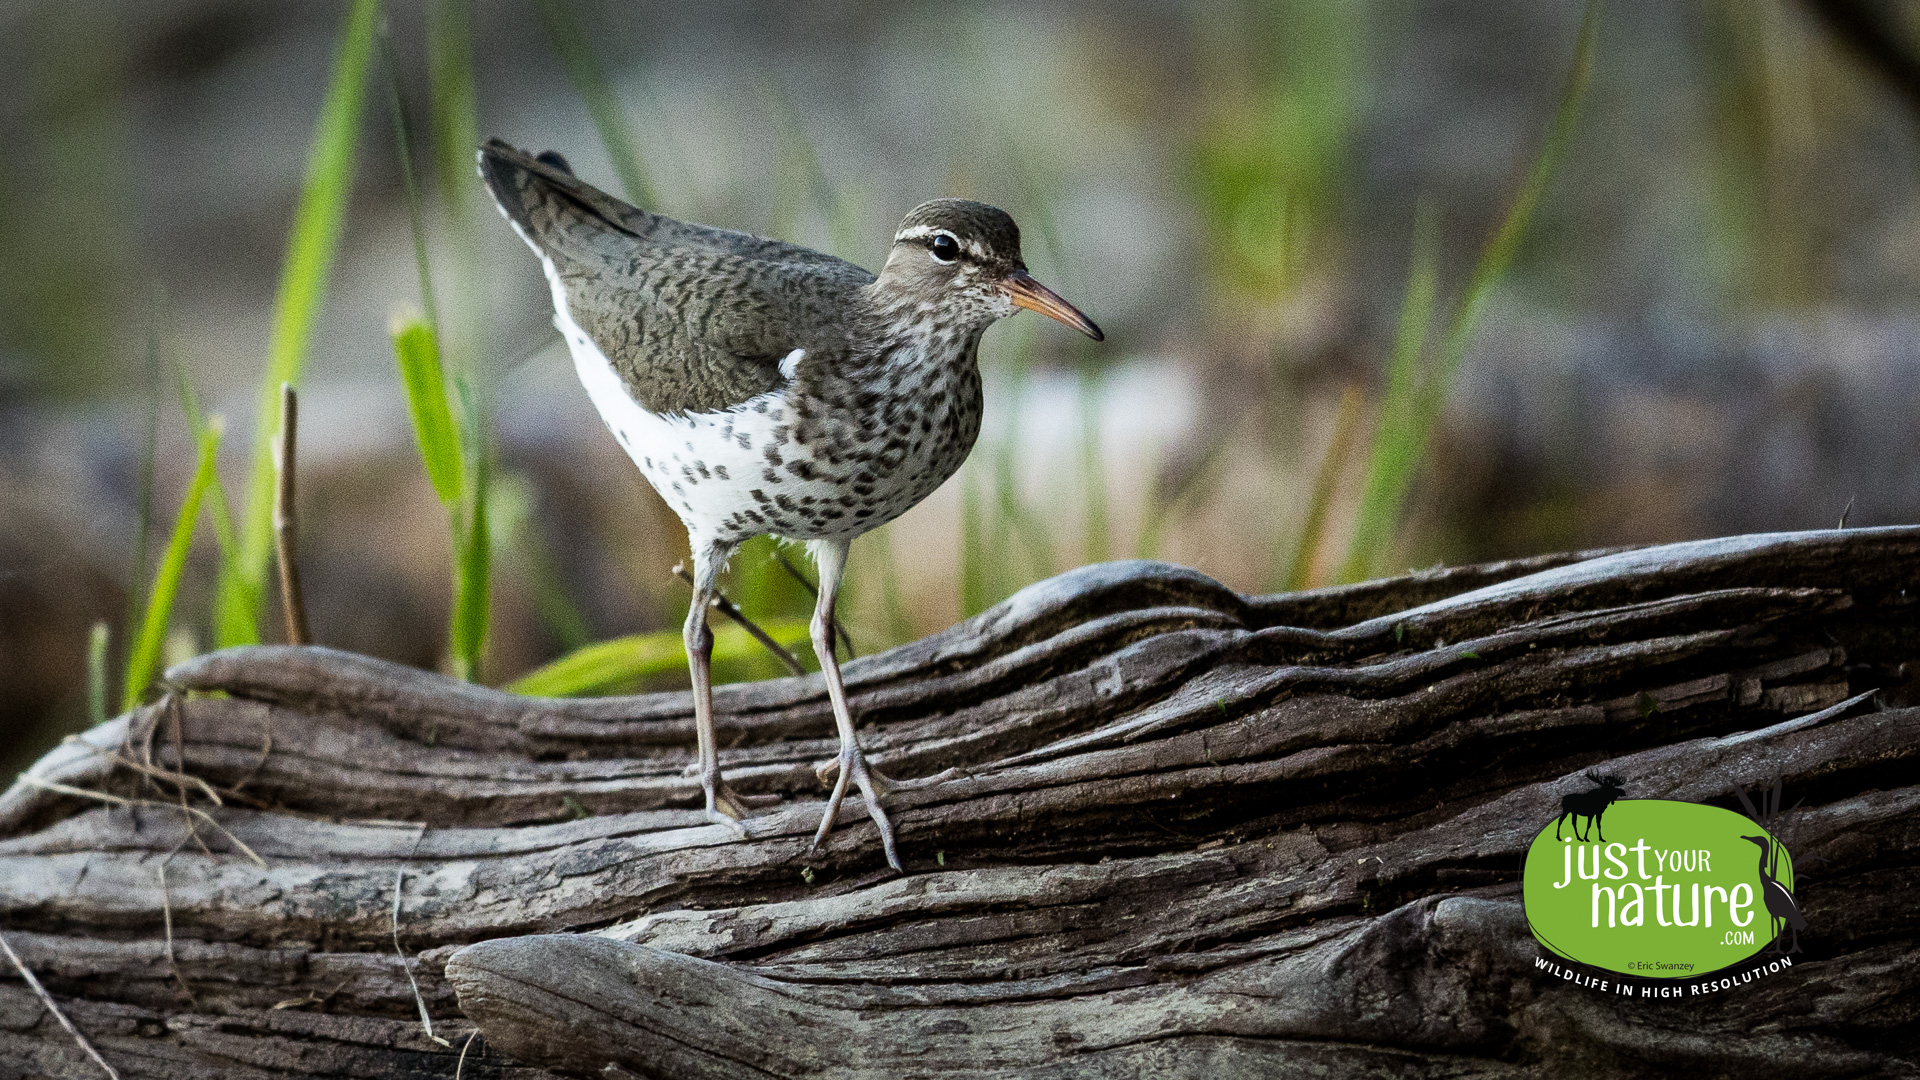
[(1408, 418), (1022, 524), (1146, 542), (460, 319), (590, 81), (472, 572), (455, 119), (226, 539), (801, 156), (1170, 501), (97, 675), (409, 185), (416, 349), (143, 500), (144, 659), (610, 666), (1313, 531), (973, 545), (510, 503), (555, 609), (303, 283), (1394, 455), (1093, 471), (1498, 254), (597, 667)]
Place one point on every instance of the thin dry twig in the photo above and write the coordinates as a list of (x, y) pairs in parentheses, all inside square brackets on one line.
[(462, 1063), (46, 999), (157, 772), (166, 917), (285, 527), (311, 998), (180, 759), (151, 771), (144, 736), (426, 1021), (121, 800), (726, 607)]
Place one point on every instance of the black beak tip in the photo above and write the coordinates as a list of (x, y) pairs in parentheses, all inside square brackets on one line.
[(1093, 331)]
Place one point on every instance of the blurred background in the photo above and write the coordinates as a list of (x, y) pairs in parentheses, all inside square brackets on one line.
[(1708, 325)]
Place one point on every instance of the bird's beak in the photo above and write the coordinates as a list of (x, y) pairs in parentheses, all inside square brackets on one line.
[(1033, 296)]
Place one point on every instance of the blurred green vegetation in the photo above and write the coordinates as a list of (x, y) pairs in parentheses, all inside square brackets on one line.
[(1417, 390), (1273, 159), (1324, 318), (311, 247)]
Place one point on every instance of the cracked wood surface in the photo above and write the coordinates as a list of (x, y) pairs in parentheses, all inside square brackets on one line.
[(1199, 834)]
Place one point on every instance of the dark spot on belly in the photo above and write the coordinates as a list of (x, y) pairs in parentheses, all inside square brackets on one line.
[(801, 468), (720, 471)]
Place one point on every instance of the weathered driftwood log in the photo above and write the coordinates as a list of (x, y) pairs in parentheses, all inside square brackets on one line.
[(1199, 834)]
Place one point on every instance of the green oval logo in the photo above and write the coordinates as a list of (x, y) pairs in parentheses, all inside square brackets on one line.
[(1658, 889)]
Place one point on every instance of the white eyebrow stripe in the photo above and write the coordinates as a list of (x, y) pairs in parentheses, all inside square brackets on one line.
[(792, 363), (973, 248)]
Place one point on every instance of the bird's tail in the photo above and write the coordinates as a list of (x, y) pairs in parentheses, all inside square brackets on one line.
[(554, 211)]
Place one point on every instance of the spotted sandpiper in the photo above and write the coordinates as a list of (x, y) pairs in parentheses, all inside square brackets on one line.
[(766, 388)]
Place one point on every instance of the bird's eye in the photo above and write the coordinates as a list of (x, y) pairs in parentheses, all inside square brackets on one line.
[(944, 247)]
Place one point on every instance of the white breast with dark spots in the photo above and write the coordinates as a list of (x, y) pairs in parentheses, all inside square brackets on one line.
[(790, 463)]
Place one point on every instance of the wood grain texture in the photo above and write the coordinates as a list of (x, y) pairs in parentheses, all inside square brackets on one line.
[(1200, 834)]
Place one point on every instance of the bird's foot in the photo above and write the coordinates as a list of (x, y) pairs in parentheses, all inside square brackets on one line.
[(728, 821), (829, 769), (727, 806), (851, 766)]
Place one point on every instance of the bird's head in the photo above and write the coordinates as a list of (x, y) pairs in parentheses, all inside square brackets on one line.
[(963, 259), (1761, 840)]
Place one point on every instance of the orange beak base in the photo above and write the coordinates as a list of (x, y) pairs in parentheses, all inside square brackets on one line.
[(1033, 296)]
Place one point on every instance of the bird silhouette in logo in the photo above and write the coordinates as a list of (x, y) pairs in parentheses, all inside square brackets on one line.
[(1780, 903)]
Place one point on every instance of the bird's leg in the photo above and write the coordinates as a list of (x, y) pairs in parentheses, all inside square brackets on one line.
[(831, 557), (723, 804)]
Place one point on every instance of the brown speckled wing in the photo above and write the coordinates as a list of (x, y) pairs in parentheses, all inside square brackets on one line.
[(694, 318)]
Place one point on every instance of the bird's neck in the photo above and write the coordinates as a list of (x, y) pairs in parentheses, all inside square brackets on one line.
[(903, 333)]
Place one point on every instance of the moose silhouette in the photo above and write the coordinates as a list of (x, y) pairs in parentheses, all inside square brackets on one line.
[(1589, 804)]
